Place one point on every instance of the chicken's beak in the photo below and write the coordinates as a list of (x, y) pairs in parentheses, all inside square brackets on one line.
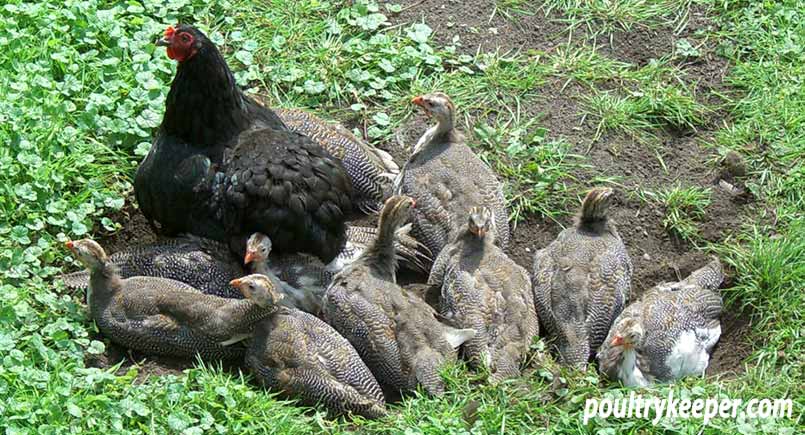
[(617, 340), (235, 283), (419, 101), (481, 232), (70, 245), (163, 42), (249, 257)]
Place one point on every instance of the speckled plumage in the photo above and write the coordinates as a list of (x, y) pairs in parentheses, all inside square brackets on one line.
[(161, 316), (203, 264), (304, 278), (483, 289), (671, 329), (582, 281), (395, 333), (371, 170), (298, 354), (447, 179)]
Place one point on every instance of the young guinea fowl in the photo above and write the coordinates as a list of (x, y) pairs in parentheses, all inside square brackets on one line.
[(446, 179), (668, 333), (394, 332), (222, 166), (483, 289), (201, 263), (310, 274), (298, 354), (371, 170), (582, 281), (162, 316)]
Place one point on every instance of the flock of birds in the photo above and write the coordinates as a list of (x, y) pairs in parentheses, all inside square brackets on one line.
[(256, 261)]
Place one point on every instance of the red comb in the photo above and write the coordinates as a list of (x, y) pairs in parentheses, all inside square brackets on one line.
[(169, 31)]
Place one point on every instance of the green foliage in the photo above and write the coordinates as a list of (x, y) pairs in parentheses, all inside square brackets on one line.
[(683, 207)]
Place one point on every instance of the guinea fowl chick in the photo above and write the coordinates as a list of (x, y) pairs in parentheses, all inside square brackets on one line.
[(302, 284), (582, 280), (447, 179), (370, 169), (483, 289), (668, 333), (395, 333), (204, 264), (298, 354), (162, 316), (310, 275)]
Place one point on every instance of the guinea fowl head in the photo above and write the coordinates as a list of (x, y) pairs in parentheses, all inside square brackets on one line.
[(395, 213), (183, 42), (627, 333), (258, 288), (481, 222), (437, 105), (88, 252), (257, 248), (596, 204)]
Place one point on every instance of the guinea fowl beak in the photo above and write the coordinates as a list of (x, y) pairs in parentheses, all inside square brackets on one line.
[(249, 257), (617, 340)]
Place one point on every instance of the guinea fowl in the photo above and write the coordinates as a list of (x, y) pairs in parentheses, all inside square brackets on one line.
[(483, 289), (303, 357), (370, 169), (394, 332), (222, 166), (668, 333), (582, 280), (201, 263), (446, 179), (162, 316)]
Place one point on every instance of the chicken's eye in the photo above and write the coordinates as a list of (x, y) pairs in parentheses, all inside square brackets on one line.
[(185, 37)]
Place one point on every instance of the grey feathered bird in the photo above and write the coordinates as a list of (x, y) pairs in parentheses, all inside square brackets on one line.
[(668, 333), (582, 281), (483, 289), (370, 169), (395, 333), (204, 264), (298, 354), (446, 179), (304, 278), (162, 316)]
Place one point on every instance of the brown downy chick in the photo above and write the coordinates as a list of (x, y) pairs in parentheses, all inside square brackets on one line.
[(298, 354), (162, 316), (582, 281), (483, 289)]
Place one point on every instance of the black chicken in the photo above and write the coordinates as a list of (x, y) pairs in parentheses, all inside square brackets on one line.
[(222, 166)]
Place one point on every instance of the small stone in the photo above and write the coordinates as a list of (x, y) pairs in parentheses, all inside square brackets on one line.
[(647, 257), (528, 249)]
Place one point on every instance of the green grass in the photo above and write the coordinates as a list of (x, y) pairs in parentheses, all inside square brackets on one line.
[(83, 87), (684, 207), (605, 16)]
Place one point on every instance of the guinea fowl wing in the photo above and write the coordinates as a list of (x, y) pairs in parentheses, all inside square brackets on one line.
[(284, 185)]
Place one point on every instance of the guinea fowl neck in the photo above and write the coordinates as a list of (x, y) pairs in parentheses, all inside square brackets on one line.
[(104, 282), (442, 133), (205, 106), (381, 254)]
